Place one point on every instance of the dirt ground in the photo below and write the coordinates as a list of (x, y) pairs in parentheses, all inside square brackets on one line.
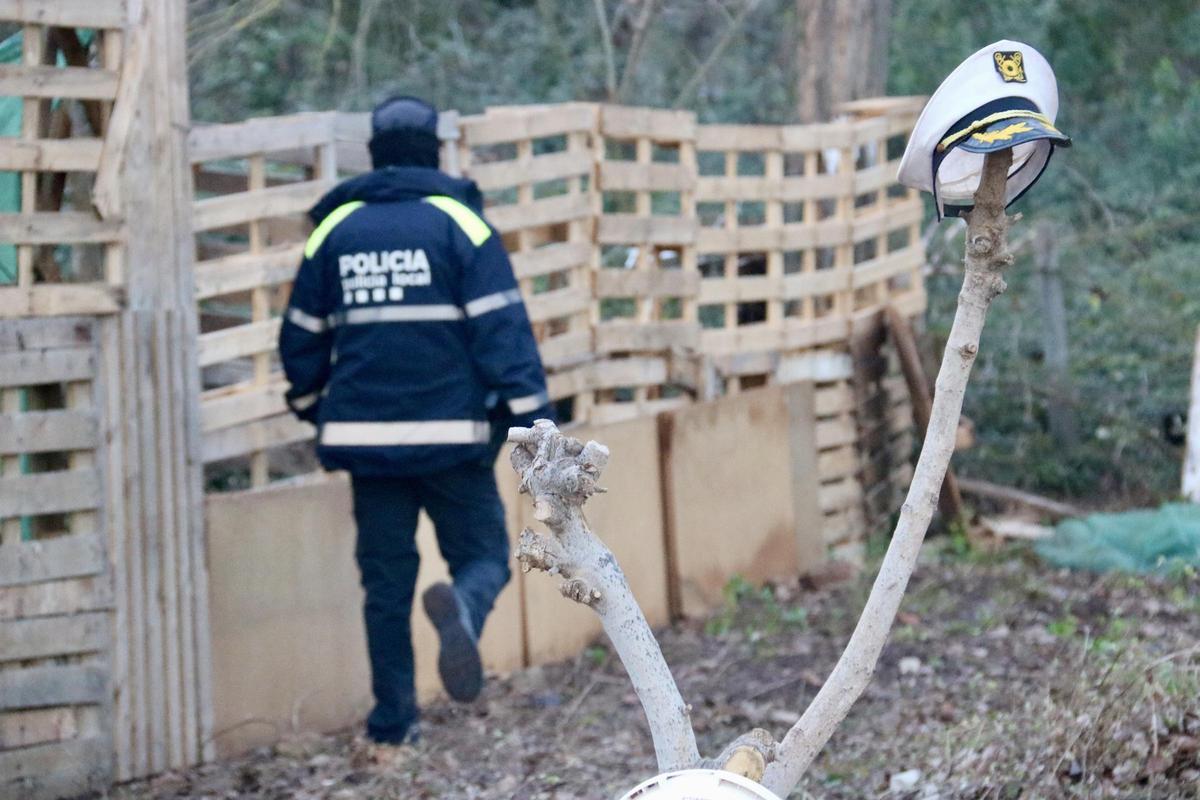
[(1002, 679)]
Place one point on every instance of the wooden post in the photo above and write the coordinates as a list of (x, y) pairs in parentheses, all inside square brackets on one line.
[(1054, 338), (1191, 460)]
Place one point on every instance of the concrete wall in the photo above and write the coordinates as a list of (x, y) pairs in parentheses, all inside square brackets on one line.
[(695, 497)]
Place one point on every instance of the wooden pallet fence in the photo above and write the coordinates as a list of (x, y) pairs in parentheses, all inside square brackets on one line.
[(534, 166), (56, 597), (644, 309)]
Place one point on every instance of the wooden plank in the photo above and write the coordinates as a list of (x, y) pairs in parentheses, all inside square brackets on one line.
[(66, 13), (900, 328), (738, 137), (551, 258), (45, 637), (245, 271), (631, 176), (43, 687), (58, 155), (50, 492), (625, 336), (260, 434), (58, 769), (548, 211), (263, 135), (658, 124), (629, 229), (276, 201), (78, 555), (500, 125), (646, 283), (554, 166), (33, 367), (83, 83), (47, 431), (242, 340), (47, 333), (57, 227), (58, 300), (231, 406), (558, 303), (36, 726), (66, 596)]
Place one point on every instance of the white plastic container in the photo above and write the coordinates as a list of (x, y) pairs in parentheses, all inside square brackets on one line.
[(700, 784)]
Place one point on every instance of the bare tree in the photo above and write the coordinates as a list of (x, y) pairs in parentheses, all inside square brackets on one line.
[(561, 473)]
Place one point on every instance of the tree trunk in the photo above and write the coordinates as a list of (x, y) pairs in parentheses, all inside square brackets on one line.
[(1060, 407), (842, 53)]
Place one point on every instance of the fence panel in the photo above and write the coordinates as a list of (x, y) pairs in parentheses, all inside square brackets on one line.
[(55, 591)]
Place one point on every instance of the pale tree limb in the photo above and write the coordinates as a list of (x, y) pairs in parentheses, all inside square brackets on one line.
[(610, 60), (735, 27), (560, 473), (986, 258)]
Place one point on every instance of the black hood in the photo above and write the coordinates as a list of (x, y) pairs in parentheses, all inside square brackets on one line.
[(395, 184)]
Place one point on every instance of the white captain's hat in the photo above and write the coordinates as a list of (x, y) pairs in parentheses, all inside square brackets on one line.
[(1002, 96)]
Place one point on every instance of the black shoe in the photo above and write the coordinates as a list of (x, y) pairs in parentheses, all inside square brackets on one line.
[(458, 661)]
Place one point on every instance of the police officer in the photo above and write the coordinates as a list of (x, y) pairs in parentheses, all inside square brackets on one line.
[(406, 342)]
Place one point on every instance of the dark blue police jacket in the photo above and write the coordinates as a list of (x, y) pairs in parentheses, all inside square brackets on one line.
[(405, 329)]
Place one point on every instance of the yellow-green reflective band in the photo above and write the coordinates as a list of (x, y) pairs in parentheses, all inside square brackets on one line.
[(328, 224), (988, 120), (472, 224)]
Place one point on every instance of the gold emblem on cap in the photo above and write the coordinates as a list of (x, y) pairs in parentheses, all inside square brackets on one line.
[(1010, 65)]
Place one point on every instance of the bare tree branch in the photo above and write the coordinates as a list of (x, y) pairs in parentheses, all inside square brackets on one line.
[(610, 61), (560, 474), (640, 28), (987, 256), (731, 32)]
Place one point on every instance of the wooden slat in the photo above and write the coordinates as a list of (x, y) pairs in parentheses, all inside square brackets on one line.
[(43, 687), (50, 492), (67, 13), (242, 340), (554, 166), (57, 227), (244, 271), (658, 124), (251, 437), (267, 135), (551, 258), (83, 83), (558, 303), (66, 557), (646, 283), (277, 201), (629, 228), (33, 367), (46, 300), (58, 769), (47, 431), (66, 596), (631, 176), (225, 408), (44, 637), (45, 333), (499, 125), (620, 336), (548, 211), (738, 137), (36, 726), (59, 155)]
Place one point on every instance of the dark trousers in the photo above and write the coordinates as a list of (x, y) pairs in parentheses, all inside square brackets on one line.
[(466, 511)]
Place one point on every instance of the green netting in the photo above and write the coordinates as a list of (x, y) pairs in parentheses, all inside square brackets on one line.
[(1161, 540), (10, 182)]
